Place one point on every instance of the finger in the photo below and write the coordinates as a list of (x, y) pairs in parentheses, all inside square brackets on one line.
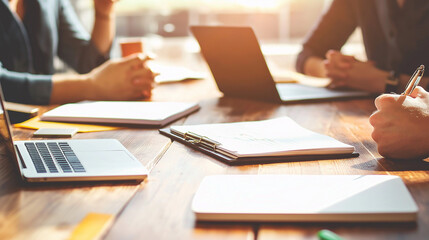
[(142, 64), (339, 59), (333, 72), (147, 94), (336, 84), (377, 102), (374, 118), (151, 55), (155, 74), (146, 90), (344, 65), (338, 87), (137, 94), (381, 120), (342, 84), (386, 101), (344, 61), (135, 59), (347, 58), (139, 81), (375, 135), (336, 74), (142, 73), (418, 91), (331, 53), (143, 84), (380, 101)]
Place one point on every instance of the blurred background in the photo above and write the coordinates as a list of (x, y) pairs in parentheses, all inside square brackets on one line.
[(284, 22), (271, 19)]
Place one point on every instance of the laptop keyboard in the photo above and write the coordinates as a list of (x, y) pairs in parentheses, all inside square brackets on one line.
[(46, 154)]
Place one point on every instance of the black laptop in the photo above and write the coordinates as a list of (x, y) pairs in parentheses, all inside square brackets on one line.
[(239, 68)]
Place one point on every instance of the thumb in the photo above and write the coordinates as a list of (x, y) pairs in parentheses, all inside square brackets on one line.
[(348, 58), (418, 91), (134, 59)]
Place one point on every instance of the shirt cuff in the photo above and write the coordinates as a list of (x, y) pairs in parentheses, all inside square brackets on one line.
[(302, 58), (40, 89)]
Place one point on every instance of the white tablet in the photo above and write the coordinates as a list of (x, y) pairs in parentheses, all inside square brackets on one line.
[(304, 198)]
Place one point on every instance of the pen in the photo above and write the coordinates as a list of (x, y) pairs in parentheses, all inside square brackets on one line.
[(414, 80), (328, 235)]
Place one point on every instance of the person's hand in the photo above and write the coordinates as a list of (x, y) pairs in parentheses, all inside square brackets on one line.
[(347, 72), (401, 125), (104, 8), (123, 79), (365, 76), (336, 67)]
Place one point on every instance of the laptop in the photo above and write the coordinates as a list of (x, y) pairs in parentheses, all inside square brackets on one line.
[(239, 68), (69, 160)]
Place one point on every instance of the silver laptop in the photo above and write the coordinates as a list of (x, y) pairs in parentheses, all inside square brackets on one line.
[(69, 160), (239, 68)]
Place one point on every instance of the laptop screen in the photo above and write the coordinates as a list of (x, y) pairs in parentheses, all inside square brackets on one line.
[(5, 134)]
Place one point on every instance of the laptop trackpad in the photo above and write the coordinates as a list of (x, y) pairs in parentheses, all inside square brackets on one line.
[(108, 161)]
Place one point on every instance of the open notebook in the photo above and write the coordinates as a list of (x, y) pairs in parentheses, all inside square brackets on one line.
[(142, 113), (279, 139)]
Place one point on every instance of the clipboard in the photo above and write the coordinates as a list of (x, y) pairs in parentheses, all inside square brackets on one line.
[(208, 147)]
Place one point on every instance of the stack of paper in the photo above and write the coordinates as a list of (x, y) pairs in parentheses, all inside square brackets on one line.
[(275, 137)]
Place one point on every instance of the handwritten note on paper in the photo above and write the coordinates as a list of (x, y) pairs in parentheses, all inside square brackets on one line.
[(275, 137)]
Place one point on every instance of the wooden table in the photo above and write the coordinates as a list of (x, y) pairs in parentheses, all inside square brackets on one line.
[(159, 207)]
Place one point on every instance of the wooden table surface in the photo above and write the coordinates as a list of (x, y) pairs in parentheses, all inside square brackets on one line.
[(159, 207)]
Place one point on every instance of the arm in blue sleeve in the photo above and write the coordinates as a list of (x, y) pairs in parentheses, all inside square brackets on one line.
[(25, 88), (331, 32), (75, 47)]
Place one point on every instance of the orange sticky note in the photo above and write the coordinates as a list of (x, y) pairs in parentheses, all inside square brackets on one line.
[(35, 123), (92, 226)]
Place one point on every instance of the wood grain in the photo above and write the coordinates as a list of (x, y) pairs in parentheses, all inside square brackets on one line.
[(159, 208), (350, 125), (50, 210)]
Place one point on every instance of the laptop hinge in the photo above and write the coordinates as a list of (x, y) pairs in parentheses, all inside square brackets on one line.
[(18, 153)]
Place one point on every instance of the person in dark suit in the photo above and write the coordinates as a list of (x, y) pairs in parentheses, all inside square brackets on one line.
[(395, 35), (34, 32)]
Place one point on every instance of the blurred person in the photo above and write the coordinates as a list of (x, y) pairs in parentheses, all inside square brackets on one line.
[(401, 124), (34, 32), (395, 35)]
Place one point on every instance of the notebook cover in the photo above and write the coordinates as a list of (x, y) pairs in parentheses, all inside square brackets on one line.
[(304, 198), (252, 160), (120, 112)]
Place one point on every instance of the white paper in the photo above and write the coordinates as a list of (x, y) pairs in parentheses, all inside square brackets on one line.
[(275, 137)]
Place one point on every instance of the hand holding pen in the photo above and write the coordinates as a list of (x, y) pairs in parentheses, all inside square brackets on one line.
[(401, 123)]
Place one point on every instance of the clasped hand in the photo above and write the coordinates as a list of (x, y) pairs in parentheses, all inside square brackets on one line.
[(127, 78), (347, 72)]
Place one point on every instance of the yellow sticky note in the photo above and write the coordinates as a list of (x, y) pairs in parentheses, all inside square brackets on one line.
[(35, 123), (91, 227)]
